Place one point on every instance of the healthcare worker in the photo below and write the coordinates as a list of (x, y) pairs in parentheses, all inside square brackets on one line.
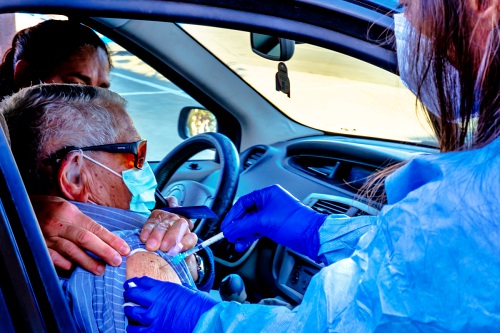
[(429, 261)]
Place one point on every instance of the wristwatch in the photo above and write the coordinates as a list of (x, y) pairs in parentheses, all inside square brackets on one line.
[(200, 267)]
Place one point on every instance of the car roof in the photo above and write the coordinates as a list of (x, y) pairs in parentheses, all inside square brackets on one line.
[(362, 29)]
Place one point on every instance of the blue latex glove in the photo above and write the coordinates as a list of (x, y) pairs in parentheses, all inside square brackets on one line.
[(164, 306), (276, 214)]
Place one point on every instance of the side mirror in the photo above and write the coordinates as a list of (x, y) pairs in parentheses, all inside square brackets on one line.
[(271, 47), (194, 120)]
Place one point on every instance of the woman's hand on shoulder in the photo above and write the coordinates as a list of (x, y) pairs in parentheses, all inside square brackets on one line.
[(68, 233)]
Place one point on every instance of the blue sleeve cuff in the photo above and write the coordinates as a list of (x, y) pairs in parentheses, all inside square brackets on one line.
[(340, 234)]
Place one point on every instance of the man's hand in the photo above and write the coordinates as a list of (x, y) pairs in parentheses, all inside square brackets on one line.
[(168, 232), (68, 233)]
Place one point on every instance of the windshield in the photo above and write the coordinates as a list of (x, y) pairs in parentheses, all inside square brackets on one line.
[(329, 91)]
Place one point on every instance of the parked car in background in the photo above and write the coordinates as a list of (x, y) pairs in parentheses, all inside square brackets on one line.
[(306, 91)]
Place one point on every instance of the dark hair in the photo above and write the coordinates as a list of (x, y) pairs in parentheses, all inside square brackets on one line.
[(45, 46), (453, 26)]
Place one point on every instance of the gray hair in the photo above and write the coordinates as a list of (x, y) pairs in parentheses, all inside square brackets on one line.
[(46, 118)]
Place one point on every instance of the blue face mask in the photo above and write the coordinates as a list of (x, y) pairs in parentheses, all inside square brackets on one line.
[(411, 76), (140, 182)]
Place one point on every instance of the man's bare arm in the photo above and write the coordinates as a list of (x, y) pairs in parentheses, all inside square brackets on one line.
[(150, 264)]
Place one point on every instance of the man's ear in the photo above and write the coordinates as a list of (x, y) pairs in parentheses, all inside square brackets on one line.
[(72, 179)]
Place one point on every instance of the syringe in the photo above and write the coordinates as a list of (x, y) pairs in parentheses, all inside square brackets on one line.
[(178, 258)]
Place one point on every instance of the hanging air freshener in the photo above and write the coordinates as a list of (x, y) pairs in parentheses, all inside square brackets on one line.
[(282, 80)]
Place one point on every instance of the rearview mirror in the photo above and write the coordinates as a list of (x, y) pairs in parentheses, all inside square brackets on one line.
[(272, 47), (194, 120)]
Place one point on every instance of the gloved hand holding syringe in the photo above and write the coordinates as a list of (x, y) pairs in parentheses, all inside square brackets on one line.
[(178, 258)]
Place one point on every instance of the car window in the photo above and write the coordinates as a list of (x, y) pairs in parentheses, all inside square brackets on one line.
[(154, 102)]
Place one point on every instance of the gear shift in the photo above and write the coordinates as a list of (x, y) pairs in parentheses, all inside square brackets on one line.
[(232, 288)]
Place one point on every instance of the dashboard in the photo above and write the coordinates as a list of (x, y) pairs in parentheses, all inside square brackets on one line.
[(332, 165), (324, 172)]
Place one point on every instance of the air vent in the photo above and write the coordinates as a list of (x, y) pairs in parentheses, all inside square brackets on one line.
[(347, 175), (335, 207), (254, 155), (330, 207)]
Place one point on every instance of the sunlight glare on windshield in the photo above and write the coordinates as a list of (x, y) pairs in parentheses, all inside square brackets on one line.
[(330, 91)]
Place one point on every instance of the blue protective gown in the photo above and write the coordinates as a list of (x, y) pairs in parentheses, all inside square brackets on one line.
[(430, 262)]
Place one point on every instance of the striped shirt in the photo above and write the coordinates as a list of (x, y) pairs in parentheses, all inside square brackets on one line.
[(96, 301)]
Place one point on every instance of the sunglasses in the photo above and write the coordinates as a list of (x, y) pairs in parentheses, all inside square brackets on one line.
[(136, 149)]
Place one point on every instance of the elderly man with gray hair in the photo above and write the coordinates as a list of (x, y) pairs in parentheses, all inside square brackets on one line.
[(78, 142)]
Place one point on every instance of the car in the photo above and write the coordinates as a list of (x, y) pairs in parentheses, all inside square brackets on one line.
[(304, 94)]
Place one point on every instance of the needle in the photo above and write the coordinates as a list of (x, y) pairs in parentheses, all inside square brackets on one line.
[(178, 258)]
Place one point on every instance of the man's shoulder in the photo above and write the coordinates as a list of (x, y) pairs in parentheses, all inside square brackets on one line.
[(112, 218)]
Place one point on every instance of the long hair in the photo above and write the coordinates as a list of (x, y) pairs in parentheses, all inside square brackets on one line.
[(470, 119), (45, 46)]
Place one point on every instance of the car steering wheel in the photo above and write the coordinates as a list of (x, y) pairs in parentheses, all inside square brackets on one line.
[(228, 178)]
